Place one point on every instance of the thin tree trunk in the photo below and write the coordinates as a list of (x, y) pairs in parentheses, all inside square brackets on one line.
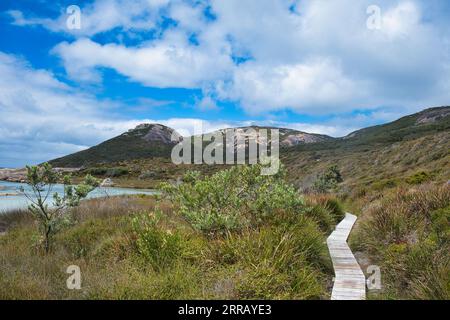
[(47, 240)]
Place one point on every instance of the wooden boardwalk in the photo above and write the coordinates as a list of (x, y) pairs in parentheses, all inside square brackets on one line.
[(349, 282)]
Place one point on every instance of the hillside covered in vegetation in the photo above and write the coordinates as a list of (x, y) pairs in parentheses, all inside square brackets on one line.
[(408, 151)]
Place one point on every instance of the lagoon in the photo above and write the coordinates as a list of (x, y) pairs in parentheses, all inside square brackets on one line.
[(11, 198)]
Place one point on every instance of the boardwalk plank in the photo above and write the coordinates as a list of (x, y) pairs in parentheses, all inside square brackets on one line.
[(350, 282)]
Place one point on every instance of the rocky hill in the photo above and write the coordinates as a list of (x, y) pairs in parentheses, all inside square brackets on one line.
[(144, 141), (155, 141), (288, 137), (375, 157)]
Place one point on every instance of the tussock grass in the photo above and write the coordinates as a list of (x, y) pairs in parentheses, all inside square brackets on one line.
[(14, 218), (408, 234)]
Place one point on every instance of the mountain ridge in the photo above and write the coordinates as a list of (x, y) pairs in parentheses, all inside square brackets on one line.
[(378, 155), (152, 140)]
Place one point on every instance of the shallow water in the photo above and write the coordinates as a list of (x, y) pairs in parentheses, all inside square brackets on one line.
[(11, 198)]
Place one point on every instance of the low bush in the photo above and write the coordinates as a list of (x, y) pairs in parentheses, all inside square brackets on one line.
[(283, 260), (328, 180), (116, 172), (232, 199), (419, 178), (108, 172), (326, 210), (384, 184)]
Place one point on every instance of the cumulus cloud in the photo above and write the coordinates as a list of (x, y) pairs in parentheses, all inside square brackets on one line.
[(161, 64), (308, 56), (207, 103), (312, 86)]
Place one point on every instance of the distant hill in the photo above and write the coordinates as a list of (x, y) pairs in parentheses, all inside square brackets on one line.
[(144, 141), (376, 157), (154, 141), (409, 127), (380, 156)]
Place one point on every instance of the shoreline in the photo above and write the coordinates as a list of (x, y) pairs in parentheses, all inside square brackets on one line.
[(19, 175)]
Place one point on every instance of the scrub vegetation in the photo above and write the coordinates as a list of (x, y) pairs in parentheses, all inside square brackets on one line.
[(233, 235)]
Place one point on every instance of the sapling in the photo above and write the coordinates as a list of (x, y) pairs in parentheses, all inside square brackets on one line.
[(51, 218)]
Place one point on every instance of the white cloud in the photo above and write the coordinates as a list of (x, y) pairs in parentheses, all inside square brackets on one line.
[(316, 59), (101, 16), (207, 103), (401, 20), (318, 84), (160, 64), (40, 112)]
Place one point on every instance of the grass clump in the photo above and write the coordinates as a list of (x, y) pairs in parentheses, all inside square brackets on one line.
[(407, 233), (159, 245), (326, 210)]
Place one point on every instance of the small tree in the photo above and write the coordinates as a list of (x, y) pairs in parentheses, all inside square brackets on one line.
[(42, 180), (328, 180)]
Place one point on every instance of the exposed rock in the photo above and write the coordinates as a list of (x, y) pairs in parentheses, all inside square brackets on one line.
[(301, 138), (433, 115), (107, 183), (288, 137), (13, 175), (20, 175), (156, 132)]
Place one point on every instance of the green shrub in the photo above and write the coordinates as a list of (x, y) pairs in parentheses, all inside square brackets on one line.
[(322, 216), (440, 224), (329, 180), (419, 178), (282, 261), (232, 199), (81, 239), (108, 172), (53, 216), (326, 210), (287, 246), (418, 271), (335, 208), (116, 172), (98, 171)]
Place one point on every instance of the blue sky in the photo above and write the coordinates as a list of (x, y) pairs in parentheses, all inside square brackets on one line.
[(311, 65)]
